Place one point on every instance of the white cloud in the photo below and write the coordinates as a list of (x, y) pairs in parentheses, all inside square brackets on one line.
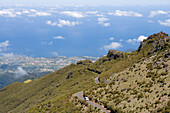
[(92, 12), (47, 43), (73, 14), (15, 13), (126, 13), (62, 23), (58, 37), (165, 23), (120, 40), (20, 72), (111, 38), (8, 54), (55, 53), (113, 45), (8, 13), (25, 12), (159, 12), (51, 23), (40, 14), (140, 38), (103, 21), (33, 10), (4, 44), (150, 21)]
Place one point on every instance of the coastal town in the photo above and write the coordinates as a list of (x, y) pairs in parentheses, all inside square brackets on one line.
[(40, 64)]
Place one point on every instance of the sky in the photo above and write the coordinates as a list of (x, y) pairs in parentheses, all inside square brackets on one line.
[(88, 2), (84, 28)]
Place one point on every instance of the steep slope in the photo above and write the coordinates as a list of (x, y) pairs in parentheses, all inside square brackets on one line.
[(143, 87), (123, 76)]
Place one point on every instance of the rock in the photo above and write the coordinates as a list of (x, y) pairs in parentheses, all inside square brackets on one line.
[(155, 42), (113, 54), (165, 65), (167, 55), (70, 75), (84, 62)]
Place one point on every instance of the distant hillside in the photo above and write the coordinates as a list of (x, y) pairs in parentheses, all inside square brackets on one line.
[(128, 82), (34, 67)]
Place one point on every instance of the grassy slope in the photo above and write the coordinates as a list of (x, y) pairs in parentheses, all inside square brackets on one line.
[(142, 88), (21, 97)]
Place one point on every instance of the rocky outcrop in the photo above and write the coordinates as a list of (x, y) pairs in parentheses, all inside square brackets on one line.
[(70, 75), (156, 42), (113, 54), (84, 62)]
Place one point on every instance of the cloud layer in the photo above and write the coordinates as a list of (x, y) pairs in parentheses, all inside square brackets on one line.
[(165, 23), (61, 23), (126, 13)]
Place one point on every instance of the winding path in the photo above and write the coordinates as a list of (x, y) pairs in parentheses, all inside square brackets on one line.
[(96, 80), (80, 96)]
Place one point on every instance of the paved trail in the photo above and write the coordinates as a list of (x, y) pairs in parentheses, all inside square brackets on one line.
[(80, 96)]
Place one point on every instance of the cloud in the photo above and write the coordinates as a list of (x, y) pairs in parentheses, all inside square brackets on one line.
[(20, 72), (113, 45), (73, 14), (8, 54), (4, 45), (140, 38), (55, 53), (59, 37), (25, 12), (111, 38), (165, 23), (62, 23), (14, 13), (126, 13), (92, 12), (47, 43), (120, 40), (51, 23), (159, 12), (8, 13), (37, 13), (103, 21)]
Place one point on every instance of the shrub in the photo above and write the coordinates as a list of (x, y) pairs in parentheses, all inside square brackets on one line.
[(157, 102), (149, 66)]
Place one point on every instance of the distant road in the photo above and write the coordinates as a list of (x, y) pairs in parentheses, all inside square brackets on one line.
[(80, 96)]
